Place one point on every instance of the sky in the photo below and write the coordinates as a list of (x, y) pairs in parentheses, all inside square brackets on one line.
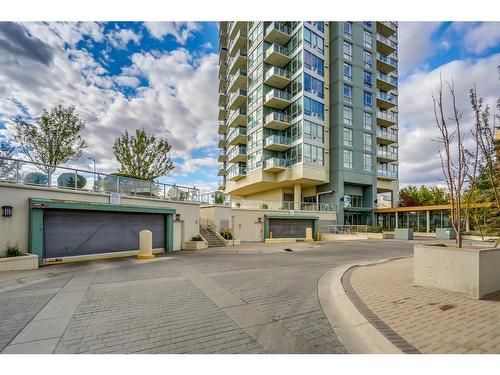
[(163, 76)]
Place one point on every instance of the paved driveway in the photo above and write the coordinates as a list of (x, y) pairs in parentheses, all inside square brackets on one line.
[(249, 299)]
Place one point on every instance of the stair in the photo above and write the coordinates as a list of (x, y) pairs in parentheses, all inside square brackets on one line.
[(211, 237)]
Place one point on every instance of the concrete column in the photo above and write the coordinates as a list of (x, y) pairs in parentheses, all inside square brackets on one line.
[(428, 213), (397, 220), (467, 224), (297, 195)]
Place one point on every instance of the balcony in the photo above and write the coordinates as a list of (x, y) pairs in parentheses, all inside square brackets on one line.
[(277, 143), (386, 45), (277, 32), (277, 121), (386, 119), (277, 77), (384, 174), (221, 185), (238, 80), (222, 113), (222, 156), (386, 138), (235, 27), (222, 127), (222, 54), (239, 42), (238, 99), (222, 69), (237, 154), (237, 118), (277, 55), (387, 28), (278, 99), (221, 171), (276, 164), (386, 101), (222, 99), (386, 64), (237, 135), (222, 84), (238, 61), (236, 172), (386, 156), (223, 32), (386, 83)]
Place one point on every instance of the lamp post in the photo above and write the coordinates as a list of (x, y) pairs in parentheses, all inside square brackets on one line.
[(95, 184)]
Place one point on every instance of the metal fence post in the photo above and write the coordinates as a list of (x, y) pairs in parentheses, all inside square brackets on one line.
[(76, 179)]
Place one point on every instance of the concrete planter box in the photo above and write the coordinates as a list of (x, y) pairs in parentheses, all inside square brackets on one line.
[(343, 237), (403, 234), (195, 245), (25, 262), (445, 234), (379, 236), (230, 242), (471, 271)]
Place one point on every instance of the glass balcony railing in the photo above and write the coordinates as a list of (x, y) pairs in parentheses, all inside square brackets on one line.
[(236, 94), (276, 139), (277, 48), (275, 71), (387, 154), (388, 41), (386, 173), (239, 73), (277, 94), (236, 151), (386, 97), (387, 116), (236, 171), (236, 132), (236, 113), (391, 80), (276, 163), (278, 26), (277, 116), (386, 135), (388, 60)]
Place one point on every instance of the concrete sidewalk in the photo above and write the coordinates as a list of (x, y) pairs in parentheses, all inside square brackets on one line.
[(428, 320)]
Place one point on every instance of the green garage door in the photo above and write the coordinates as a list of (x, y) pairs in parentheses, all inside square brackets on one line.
[(289, 228), (75, 232)]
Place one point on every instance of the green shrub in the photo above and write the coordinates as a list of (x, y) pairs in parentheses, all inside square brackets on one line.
[(197, 238), (373, 229), (264, 206), (227, 235), (67, 180), (36, 178), (13, 251)]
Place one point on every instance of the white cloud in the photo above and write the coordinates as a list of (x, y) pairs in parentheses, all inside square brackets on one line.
[(181, 31), (415, 44), (482, 37), (419, 159), (179, 103), (121, 37)]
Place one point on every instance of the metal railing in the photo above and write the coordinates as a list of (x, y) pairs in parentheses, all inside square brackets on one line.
[(277, 116), (387, 154), (38, 174), (387, 41), (387, 116), (387, 135), (386, 97), (278, 94), (236, 132), (276, 139), (387, 60), (278, 26), (277, 48), (391, 80), (347, 229), (386, 173), (276, 162), (275, 71)]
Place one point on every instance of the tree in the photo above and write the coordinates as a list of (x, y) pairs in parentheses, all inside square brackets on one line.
[(7, 167), (142, 156), (408, 197), (454, 158), (423, 196), (53, 138)]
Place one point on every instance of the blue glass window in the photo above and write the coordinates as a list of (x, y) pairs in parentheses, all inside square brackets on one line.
[(313, 40), (314, 108), (368, 99), (348, 93), (313, 85), (314, 63), (368, 79)]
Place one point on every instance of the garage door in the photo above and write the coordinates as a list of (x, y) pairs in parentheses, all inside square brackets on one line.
[(73, 233), (289, 228)]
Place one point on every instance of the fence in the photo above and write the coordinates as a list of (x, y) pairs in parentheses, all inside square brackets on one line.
[(39, 174), (347, 229)]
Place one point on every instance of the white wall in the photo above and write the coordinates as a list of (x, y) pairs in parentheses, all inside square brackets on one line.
[(15, 228)]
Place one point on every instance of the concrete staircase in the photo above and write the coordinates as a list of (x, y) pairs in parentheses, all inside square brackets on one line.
[(212, 238)]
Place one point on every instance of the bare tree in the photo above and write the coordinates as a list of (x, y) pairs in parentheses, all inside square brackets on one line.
[(454, 158)]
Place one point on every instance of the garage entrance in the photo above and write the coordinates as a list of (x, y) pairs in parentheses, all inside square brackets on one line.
[(73, 233), (64, 229), (289, 226)]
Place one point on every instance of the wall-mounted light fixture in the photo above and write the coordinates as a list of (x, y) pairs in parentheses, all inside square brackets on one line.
[(7, 211)]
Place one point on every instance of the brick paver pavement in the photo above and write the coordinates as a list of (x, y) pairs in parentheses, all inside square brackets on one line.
[(432, 320)]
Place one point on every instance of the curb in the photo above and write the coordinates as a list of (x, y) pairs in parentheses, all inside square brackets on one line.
[(354, 331)]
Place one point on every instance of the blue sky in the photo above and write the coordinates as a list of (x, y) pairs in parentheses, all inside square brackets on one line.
[(163, 77)]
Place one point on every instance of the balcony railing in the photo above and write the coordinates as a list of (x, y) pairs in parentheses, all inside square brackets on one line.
[(387, 116), (387, 154), (277, 48), (387, 41), (278, 26), (23, 172), (278, 94), (386, 135), (391, 80), (236, 151), (236, 132), (276, 139), (388, 60), (236, 113), (386, 97), (233, 96), (276, 163), (236, 171), (386, 173)]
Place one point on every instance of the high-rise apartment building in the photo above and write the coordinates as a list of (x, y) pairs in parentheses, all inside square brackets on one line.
[(308, 114)]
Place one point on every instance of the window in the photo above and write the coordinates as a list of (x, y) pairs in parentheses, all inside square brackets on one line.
[(313, 154), (368, 121), (348, 29), (347, 72), (367, 59), (347, 137), (367, 144), (319, 25), (348, 93), (368, 24), (368, 163), (313, 85), (368, 79), (347, 50), (347, 115), (313, 131), (367, 39), (347, 159), (368, 99), (313, 40), (313, 62), (313, 108)]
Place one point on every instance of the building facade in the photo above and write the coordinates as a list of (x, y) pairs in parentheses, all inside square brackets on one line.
[(308, 114)]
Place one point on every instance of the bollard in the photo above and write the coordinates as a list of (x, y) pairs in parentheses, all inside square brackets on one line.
[(309, 235), (145, 245)]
